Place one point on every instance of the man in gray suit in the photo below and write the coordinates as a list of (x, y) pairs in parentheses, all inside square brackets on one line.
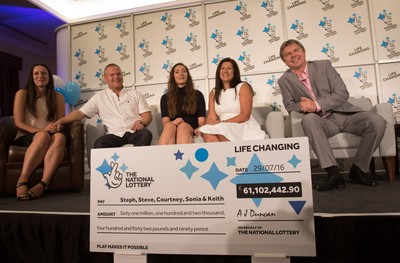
[(316, 89)]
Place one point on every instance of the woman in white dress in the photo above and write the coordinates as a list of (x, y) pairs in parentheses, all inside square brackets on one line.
[(230, 104)]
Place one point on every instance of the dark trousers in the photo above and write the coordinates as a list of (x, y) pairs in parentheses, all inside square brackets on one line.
[(141, 137)]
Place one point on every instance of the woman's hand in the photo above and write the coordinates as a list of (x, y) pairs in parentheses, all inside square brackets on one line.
[(177, 121)]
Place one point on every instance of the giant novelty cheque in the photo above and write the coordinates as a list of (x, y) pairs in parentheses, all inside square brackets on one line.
[(230, 198)]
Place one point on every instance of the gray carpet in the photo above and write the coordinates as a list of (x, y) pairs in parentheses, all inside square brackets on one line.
[(354, 199)]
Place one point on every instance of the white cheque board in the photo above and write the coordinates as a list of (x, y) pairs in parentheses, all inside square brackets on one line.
[(233, 198)]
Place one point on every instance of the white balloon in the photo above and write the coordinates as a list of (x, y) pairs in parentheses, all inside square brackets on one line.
[(58, 82)]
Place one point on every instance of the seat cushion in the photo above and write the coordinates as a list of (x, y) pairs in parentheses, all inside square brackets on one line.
[(344, 140)]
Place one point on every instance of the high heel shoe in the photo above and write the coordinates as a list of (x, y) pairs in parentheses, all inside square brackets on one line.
[(37, 191), (24, 196), (330, 182)]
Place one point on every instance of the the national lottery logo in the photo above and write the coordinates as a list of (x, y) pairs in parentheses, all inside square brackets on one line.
[(217, 59), (299, 28), (245, 59), (167, 66), (326, 24), (167, 19), (271, 32), (80, 77), (362, 76), (121, 49), (192, 40), (80, 55), (326, 5), (273, 83), (114, 174), (243, 33), (276, 106), (355, 20), (389, 45), (145, 70), (121, 26), (191, 16), (100, 52), (269, 6), (241, 8), (144, 45), (386, 17), (329, 51), (395, 102), (100, 76), (167, 42), (217, 36), (100, 30)]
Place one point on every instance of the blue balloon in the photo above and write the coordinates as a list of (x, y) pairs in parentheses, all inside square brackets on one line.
[(73, 92), (62, 92)]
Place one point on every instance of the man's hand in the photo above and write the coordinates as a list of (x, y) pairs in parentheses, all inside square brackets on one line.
[(307, 105)]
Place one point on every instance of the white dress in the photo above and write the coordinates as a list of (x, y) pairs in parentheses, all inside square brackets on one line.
[(229, 107)]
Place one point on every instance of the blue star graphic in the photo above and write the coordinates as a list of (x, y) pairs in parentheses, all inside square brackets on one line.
[(123, 167), (115, 157), (266, 29), (294, 26), (178, 155), (294, 161), (381, 16), (213, 35), (189, 169), (141, 45), (104, 168), (231, 161), (357, 74), (254, 177), (214, 176)]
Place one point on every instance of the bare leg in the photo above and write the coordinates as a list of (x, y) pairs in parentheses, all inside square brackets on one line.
[(33, 157), (168, 134), (214, 138), (184, 133), (52, 158)]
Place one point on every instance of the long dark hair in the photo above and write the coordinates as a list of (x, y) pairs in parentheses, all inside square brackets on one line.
[(219, 86), (189, 104), (50, 94)]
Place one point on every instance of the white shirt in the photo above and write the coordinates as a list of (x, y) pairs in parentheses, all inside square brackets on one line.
[(117, 113)]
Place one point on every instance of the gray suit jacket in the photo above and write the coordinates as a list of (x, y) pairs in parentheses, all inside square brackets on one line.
[(328, 87)]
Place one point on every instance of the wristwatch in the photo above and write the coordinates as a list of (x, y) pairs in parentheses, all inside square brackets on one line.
[(143, 123)]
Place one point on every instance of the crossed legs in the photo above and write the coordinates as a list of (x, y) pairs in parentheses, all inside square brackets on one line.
[(45, 148)]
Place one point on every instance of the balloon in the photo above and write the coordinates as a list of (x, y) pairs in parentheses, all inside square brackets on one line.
[(73, 92), (62, 91), (58, 82)]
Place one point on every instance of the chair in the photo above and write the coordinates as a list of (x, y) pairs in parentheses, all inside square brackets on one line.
[(345, 145), (68, 176)]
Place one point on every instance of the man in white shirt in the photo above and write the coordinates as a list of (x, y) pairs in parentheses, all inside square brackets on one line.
[(125, 113)]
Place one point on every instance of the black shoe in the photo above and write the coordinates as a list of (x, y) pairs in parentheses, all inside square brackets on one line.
[(331, 181), (360, 177)]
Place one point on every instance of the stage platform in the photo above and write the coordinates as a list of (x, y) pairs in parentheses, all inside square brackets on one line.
[(354, 224)]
